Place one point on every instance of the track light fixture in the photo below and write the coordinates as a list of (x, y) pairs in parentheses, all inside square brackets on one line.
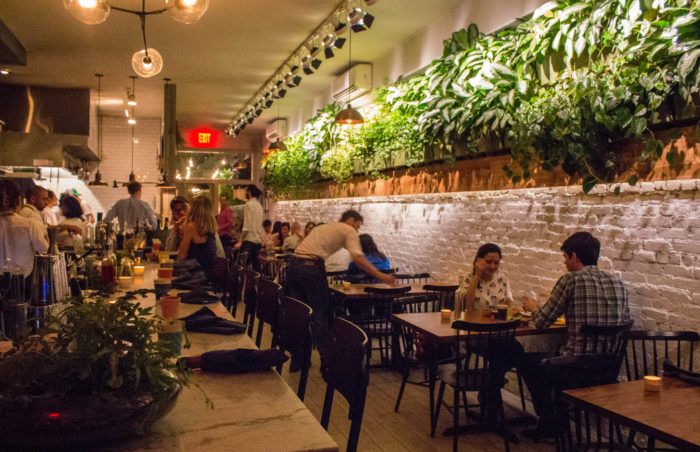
[(359, 19)]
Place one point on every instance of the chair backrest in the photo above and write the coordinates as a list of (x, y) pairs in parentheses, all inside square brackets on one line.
[(444, 294), (242, 259), (407, 278), (268, 299), (345, 365), (292, 334), (250, 287), (412, 304), (482, 348), (336, 277), (605, 339), (234, 283), (219, 274), (646, 349)]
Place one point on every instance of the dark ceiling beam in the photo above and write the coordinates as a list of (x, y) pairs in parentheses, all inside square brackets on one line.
[(11, 50)]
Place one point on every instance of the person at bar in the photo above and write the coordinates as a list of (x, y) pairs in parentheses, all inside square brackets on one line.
[(129, 210), (225, 221), (37, 199), (306, 274), (73, 229), (20, 238), (373, 255), (179, 208), (485, 286), (199, 234), (49, 214), (251, 237), (587, 296)]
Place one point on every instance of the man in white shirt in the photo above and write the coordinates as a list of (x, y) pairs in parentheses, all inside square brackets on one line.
[(37, 199), (49, 213), (306, 274), (20, 238), (251, 237), (130, 210)]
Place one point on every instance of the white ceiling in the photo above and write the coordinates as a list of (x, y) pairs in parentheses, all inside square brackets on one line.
[(218, 63)]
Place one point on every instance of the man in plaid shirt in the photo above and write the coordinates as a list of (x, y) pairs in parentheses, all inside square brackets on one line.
[(587, 296)]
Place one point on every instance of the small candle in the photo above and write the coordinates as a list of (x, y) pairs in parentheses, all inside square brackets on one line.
[(652, 383), (138, 270), (445, 314), (124, 282)]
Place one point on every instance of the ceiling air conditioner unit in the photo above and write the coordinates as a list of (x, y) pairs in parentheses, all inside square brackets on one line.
[(276, 129), (352, 83)]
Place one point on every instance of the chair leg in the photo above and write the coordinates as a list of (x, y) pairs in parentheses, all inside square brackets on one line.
[(327, 405), (303, 377), (438, 405), (455, 420), (404, 377), (258, 336), (355, 426), (520, 387)]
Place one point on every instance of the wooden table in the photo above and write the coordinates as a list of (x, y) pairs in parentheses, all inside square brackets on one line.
[(437, 330), (252, 412), (671, 415)]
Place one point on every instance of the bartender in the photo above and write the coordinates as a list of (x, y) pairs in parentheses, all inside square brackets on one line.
[(306, 274), (129, 210), (20, 238)]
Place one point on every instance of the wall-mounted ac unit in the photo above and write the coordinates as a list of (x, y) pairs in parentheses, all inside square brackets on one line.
[(352, 83), (276, 129)]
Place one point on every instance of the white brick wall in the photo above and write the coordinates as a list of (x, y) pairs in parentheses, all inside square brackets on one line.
[(650, 237), (116, 159)]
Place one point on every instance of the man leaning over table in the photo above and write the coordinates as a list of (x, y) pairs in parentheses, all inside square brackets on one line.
[(306, 274), (587, 296)]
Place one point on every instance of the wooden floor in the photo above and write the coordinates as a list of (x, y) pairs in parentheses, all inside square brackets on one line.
[(407, 430)]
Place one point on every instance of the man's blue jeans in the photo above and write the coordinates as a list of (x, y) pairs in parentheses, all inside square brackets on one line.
[(306, 281)]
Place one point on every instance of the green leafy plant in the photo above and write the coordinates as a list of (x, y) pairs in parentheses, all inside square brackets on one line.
[(98, 347)]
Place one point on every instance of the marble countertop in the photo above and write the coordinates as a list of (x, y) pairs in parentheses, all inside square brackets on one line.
[(252, 412)]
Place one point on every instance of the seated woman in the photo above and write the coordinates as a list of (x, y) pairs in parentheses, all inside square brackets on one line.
[(72, 227), (373, 255), (294, 239), (281, 236), (199, 234), (485, 287)]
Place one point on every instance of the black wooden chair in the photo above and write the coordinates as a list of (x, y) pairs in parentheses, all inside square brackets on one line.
[(604, 350), (409, 351), (411, 278), (646, 349), (219, 277), (479, 367), (250, 291), (267, 304), (373, 315), (336, 277), (234, 283), (292, 335), (444, 294), (345, 368)]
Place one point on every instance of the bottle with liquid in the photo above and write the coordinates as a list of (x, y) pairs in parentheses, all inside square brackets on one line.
[(460, 299), (108, 270)]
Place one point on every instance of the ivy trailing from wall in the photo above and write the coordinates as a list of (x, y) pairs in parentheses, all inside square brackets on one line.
[(559, 89)]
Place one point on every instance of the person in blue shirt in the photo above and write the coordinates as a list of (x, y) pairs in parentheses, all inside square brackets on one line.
[(373, 255)]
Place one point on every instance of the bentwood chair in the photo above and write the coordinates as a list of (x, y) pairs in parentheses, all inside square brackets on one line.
[(219, 276), (345, 368), (645, 351), (234, 282), (411, 278), (479, 366), (373, 315), (250, 292), (293, 335), (267, 305)]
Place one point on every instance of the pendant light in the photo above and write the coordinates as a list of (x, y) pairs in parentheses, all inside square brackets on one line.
[(277, 145), (132, 118), (98, 176), (132, 176), (349, 116)]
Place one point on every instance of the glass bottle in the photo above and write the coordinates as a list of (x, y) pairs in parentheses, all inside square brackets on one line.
[(108, 270), (460, 299)]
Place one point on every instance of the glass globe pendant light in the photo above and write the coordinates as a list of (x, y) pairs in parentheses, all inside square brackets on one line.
[(91, 12), (349, 116), (147, 63), (187, 11)]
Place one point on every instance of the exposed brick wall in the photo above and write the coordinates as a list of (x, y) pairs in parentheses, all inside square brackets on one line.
[(650, 237)]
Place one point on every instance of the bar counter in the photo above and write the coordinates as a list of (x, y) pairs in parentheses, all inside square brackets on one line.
[(252, 412)]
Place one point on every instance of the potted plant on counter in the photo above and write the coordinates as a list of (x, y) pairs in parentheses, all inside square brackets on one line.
[(96, 373)]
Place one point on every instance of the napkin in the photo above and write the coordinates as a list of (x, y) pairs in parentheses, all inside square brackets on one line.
[(241, 360), (670, 370), (205, 321), (198, 295), (189, 280)]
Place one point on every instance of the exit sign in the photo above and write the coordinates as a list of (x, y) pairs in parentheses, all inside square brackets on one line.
[(204, 137)]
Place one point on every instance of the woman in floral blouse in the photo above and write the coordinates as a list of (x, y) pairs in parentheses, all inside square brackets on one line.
[(485, 287)]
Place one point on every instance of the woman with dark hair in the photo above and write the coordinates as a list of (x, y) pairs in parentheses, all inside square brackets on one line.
[(72, 226), (275, 233), (485, 287), (20, 237), (373, 255), (309, 226)]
